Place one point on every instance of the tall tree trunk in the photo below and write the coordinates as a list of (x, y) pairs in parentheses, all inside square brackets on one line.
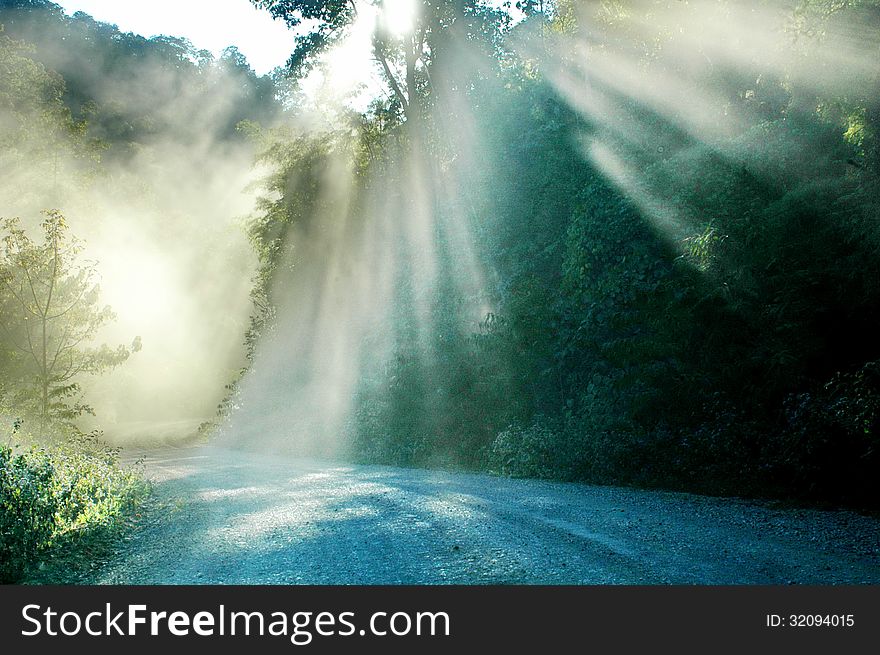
[(44, 372), (412, 56), (44, 382)]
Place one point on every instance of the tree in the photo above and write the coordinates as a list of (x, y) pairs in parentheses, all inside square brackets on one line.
[(405, 53), (39, 138), (50, 316)]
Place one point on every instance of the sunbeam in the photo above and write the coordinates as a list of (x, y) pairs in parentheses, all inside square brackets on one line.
[(627, 242)]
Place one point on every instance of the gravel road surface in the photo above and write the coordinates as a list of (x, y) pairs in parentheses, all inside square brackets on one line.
[(237, 518)]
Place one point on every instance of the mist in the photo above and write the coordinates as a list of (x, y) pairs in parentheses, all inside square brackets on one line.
[(612, 241), (189, 305), (390, 277), (716, 72), (376, 262), (154, 180)]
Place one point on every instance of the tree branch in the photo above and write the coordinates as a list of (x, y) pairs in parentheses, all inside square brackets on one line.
[(395, 85)]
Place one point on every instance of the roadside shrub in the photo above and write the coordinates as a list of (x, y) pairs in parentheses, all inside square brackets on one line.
[(53, 501), (526, 451), (28, 509), (830, 444), (94, 494)]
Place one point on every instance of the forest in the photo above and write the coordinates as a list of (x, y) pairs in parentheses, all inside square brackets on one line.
[(603, 244), (622, 242)]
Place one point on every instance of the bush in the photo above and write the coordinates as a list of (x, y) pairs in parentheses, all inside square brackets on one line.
[(52, 501), (531, 451), (28, 509), (830, 444)]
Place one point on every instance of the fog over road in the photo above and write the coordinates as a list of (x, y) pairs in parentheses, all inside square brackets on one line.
[(237, 518)]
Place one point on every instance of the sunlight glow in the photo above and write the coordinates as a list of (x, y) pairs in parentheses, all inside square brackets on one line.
[(351, 64), (142, 289), (348, 71), (399, 16)]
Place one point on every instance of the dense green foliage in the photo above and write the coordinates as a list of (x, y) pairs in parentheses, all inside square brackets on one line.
[(131, 90), (60, 503), (669, 305)]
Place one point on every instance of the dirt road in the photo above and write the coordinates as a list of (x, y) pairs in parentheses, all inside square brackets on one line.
[(237, 518)]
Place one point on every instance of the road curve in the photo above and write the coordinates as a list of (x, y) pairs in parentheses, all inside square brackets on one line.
[(236, 518)]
